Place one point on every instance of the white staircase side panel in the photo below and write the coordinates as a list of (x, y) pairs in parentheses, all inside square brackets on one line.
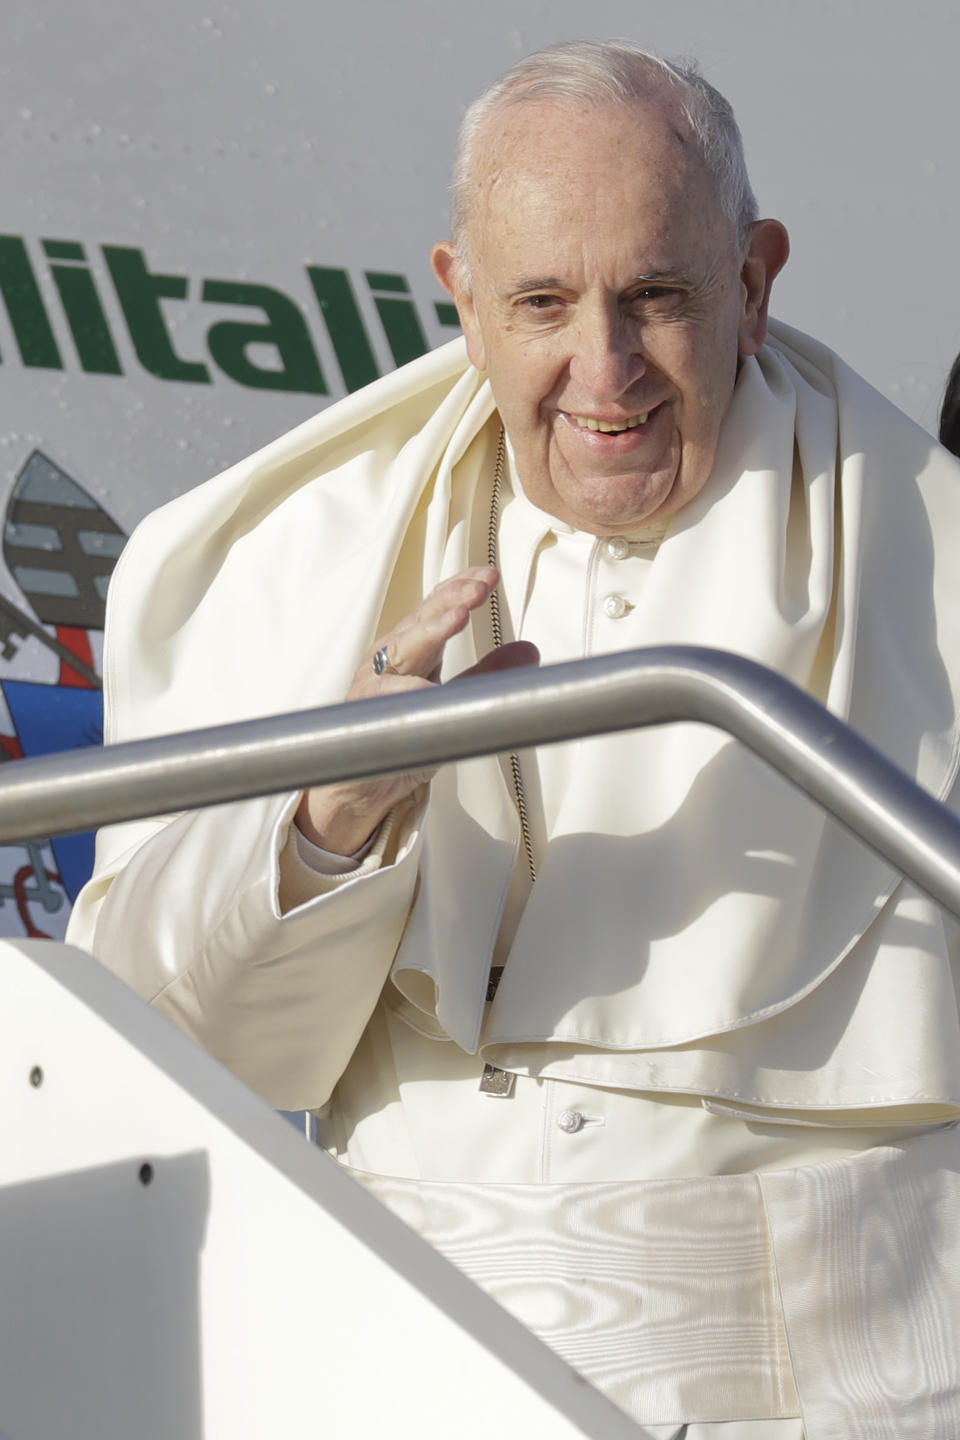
[(242, 1287)]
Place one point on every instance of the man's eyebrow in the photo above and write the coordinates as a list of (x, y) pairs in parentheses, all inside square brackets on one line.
[(527, 285), (661, 277), (524, 285)]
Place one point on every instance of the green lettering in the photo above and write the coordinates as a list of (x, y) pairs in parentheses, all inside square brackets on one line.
[(345, 325), (140, 293), (285, 329), (401, 323), (63, 250), (447, 313), (81, 305), (382, 280), (21, 296)]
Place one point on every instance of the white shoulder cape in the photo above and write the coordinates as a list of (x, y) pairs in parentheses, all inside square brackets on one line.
[(697, 925)]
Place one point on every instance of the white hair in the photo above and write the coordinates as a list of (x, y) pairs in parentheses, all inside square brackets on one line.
[(619, 73)]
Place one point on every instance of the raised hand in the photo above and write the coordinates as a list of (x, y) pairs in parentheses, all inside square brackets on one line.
[(341, 817)]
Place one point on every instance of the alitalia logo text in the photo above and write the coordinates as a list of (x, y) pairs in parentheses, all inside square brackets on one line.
[(269, 344)]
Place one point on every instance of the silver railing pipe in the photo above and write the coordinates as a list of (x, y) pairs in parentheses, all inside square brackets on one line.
[(482, 715)]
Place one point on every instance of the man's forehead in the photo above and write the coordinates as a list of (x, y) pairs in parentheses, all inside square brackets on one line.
[(547, 130), (550, 155), (553, 173)]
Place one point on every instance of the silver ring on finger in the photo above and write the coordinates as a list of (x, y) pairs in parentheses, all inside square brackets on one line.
[(381, 663)]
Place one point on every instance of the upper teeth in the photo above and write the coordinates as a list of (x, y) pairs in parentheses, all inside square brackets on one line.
[(610, 427)]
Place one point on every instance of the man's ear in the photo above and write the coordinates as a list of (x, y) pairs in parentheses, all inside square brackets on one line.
[(446, 267), (766, 257)]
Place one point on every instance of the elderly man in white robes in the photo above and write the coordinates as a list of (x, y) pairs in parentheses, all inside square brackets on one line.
[(629, 1028)]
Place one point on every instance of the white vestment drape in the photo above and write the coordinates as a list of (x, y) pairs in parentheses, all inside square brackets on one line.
[(698, 929)]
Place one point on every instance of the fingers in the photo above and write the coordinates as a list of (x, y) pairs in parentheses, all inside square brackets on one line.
[(340, 817), (415, 646), (509, 657)]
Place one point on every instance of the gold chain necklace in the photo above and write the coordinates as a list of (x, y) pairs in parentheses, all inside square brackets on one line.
[(497, 628), (495, 1081)]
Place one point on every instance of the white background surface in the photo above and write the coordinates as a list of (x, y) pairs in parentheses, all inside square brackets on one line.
[(244, 140)]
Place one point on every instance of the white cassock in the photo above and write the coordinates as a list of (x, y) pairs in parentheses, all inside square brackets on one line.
[(724, 1184)]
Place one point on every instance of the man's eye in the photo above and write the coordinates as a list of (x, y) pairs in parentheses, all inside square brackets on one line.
[(539, 302), (657, 292)]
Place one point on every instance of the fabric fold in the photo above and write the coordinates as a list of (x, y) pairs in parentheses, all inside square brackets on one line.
[(662, 1294), (722, 943), (868, 1268)]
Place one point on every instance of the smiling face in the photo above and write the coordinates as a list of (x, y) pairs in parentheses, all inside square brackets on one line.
[(608, 304)]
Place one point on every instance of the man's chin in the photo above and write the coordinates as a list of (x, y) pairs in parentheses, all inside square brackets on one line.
[(619, 504)]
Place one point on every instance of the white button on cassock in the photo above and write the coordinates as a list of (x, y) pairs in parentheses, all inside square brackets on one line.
[(570, 1121), (615, 607), (617, 547)]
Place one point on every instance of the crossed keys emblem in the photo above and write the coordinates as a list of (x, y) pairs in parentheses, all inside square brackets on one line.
[(60, 547)]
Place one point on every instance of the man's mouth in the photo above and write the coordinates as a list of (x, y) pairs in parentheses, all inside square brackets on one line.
[(611, 427)]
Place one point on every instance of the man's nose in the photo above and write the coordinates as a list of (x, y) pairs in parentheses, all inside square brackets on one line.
[(607, 355)]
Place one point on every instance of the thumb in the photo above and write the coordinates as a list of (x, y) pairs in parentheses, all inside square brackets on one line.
[(508, 657)]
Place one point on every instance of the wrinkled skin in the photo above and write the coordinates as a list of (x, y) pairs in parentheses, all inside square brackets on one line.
[(341, 817), (607, 287)]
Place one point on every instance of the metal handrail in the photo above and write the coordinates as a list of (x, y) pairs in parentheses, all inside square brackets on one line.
[(483, 715)]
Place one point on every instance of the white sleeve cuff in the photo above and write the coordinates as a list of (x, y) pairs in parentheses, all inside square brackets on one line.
[(326, 862)]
